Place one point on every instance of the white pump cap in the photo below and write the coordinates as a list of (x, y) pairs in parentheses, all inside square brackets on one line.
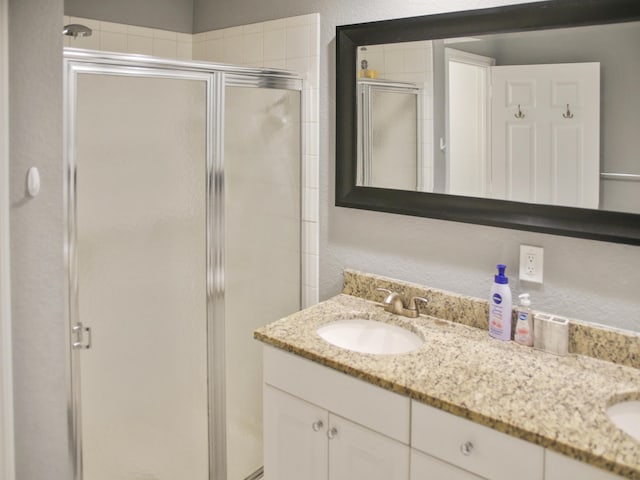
[(524, 299)]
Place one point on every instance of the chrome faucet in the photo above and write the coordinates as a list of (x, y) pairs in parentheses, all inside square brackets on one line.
[(393, 304)]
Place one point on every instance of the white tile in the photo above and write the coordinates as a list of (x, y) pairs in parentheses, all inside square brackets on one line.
[(300, 65), (310, 204), (232, 52), (113, 42), (184, 51), (142, 45), (87, 22), (232, 32), (113, 27), (428, 106), (214, 34), (393, 47), (415, 60), (311, 105), (274, 45), (274, 25), (310, 178), (252, 49), (210, 51), (140, 31), (310, 269), (375, 61), (199, 37), (91, 43), (310, 238), (393, 63), (198, 50), (297, 41), (300, 20), (311, 137), (165, 34), (184, 37), (252, 28), (314, 72), (310, 296), (275, 63), (314, 40), (165, 48)]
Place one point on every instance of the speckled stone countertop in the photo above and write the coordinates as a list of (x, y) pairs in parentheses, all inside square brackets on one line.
[(556, 402)]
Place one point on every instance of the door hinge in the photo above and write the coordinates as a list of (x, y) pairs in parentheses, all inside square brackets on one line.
[(79, 330)]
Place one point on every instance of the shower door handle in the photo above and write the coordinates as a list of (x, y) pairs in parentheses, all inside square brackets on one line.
[(79, 331)]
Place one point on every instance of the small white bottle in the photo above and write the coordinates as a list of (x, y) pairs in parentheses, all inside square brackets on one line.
[(524, 322), (500, 306)]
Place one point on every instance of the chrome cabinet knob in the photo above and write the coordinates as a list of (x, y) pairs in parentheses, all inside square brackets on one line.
[(332, 433), (317, 425), (466, 448)]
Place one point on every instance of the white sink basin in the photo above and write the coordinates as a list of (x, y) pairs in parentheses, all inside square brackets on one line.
[(370, 336), (626, 416)]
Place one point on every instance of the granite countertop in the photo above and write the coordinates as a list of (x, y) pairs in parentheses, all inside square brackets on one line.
[(556, 402)]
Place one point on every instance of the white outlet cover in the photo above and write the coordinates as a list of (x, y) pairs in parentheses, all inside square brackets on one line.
[(538, 253)]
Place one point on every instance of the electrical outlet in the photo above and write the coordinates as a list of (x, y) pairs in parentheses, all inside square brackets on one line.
[(531, 263)]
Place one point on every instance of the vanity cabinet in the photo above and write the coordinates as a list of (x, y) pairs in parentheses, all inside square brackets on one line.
[(323, 424), (306, 441)]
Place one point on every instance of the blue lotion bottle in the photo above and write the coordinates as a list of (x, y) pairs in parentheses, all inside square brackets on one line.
[(500, 306)]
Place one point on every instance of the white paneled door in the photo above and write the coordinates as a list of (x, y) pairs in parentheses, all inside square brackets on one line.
[(546, 134)]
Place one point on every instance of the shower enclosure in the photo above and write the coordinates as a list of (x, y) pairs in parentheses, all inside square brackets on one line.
[(183, 235)]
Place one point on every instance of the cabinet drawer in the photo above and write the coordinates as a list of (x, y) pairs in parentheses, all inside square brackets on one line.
[(337, 392), (473, 447)]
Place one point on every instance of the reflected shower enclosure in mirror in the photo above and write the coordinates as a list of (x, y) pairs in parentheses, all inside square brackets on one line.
[(520, 116)]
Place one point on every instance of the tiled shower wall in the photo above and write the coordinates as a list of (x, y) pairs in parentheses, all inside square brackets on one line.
[(290, 43)]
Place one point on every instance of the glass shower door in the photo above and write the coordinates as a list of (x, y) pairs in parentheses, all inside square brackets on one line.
[(141, 257), (262, 154)]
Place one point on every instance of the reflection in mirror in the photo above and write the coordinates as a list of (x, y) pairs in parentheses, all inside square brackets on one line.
[(395, 122), (546, 117)]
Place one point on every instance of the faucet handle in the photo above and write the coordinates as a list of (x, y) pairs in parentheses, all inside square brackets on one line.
[(392, 302), (391, 295), (386, 290), (414, 306)]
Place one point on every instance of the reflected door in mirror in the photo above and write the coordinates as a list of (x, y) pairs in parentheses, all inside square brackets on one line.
[(545, 134)]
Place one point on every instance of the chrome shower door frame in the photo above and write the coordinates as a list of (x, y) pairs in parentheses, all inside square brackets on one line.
[(73, 68), (217, 77)]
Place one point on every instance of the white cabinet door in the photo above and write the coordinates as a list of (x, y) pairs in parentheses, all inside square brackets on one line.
[(560, 467), (425, 467), (357, 453), (295, 434)]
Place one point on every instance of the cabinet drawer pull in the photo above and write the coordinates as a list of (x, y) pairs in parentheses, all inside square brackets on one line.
[(332, 433), (466, 448), (317, 425)]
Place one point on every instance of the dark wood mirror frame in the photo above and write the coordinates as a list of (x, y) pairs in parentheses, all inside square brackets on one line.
[(574, 222)]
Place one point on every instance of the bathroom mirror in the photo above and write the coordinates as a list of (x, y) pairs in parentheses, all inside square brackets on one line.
[(519, 116)]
